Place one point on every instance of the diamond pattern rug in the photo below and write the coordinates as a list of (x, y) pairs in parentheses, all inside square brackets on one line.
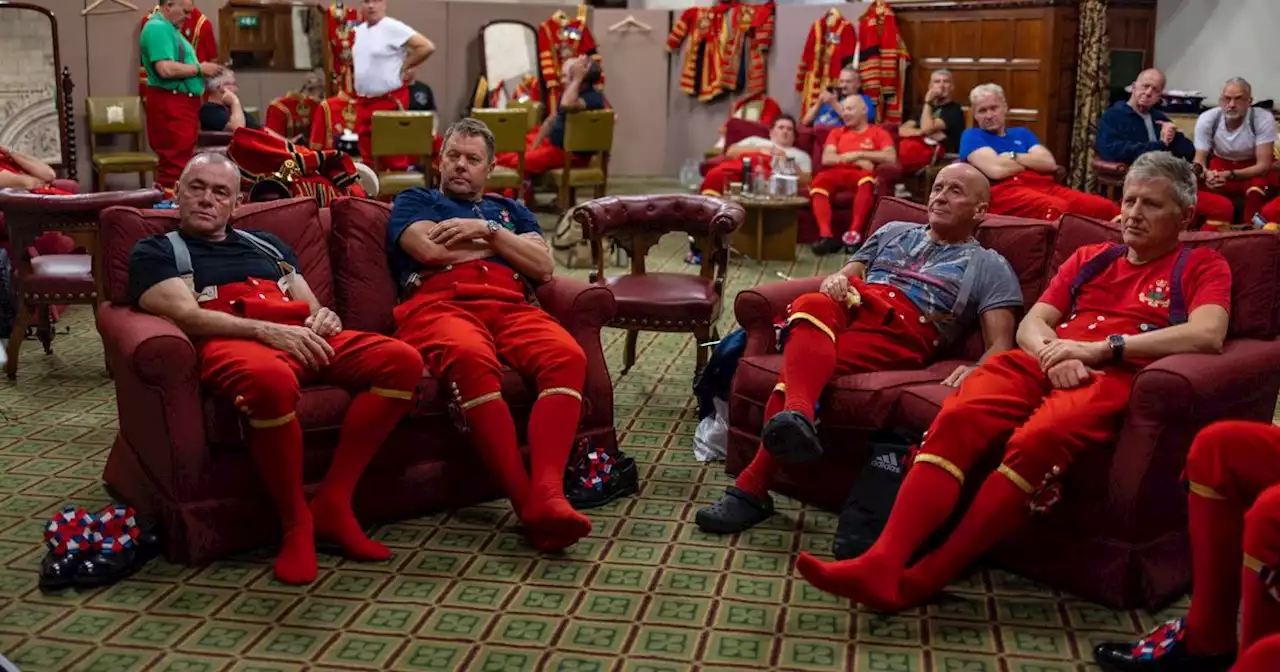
[(646, 592)]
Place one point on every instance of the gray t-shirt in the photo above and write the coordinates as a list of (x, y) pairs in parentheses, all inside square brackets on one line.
[(931, 273), (1151, 127)]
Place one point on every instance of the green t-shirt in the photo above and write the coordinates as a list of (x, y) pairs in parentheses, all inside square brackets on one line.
[(161, 41)]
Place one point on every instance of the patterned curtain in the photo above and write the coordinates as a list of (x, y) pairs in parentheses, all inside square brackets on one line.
[(1093, 77)]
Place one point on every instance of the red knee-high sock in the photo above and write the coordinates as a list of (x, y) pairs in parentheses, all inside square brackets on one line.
[(808, 360), (277, 452), (758, 475), (927, 497), (863, 200), (1264, 656), (1254, 199), (1216, 528), (368, 423), (553, 523), (493, 435), (1259, 610), (1000, 508), (821, 206)]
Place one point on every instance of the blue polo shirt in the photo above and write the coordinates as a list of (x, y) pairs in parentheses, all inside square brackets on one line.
[(420, 204), (827, 115), (1016, 140)]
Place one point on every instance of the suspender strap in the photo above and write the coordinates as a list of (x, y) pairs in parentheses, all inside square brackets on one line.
[(267, 248), (1177, 301), (1092, 268), (182, 254)]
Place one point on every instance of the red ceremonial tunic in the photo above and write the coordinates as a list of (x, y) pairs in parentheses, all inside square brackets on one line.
[(832, 43)]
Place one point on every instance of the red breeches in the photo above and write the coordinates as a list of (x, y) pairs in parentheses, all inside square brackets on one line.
[(1213, 210), (1254, 190), (173, 129), (1271, 211), (1263, 656), (1035, 196), (395, 101), (914, 155), (829, 180), (540, 159)]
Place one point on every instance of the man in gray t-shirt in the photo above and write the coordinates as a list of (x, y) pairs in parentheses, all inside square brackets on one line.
[(910, 291)]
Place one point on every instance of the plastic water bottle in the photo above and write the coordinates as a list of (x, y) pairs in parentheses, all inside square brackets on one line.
[(689, 177), (1258, 220)]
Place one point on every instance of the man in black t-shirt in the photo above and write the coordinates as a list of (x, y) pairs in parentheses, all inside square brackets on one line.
[(223, 111), (545, 150), (261, 334), (941, 122)]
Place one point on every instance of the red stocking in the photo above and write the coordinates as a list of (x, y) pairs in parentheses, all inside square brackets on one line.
[(758, 475), (1216, 527), (493, 434), (552, 522), (864, 199), (277, 451), (1260, 611)]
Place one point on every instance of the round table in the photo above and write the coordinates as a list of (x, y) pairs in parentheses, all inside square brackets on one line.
[(769, 234)]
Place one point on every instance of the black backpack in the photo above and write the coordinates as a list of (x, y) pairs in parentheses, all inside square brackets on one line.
[(867, 508)]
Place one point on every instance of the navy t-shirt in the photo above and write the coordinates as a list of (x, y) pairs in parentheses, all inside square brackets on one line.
[(592, 99), (215, 117), (430, 205), (232, 259)]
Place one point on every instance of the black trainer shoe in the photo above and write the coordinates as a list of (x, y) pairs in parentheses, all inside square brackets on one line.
[(791, 437), (1162, 650), (624, 481), (736, 511), (824, 246)]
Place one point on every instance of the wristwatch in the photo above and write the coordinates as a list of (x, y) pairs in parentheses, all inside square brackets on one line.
[(494, 228), (1116, 343)]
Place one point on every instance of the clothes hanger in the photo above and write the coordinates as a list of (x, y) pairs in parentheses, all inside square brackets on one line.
[(630, 22), (122, 6)]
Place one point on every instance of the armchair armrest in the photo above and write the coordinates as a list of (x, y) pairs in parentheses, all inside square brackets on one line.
[(1240, 383), (583, 310), (757, 308), (156, 372), (888, 175)]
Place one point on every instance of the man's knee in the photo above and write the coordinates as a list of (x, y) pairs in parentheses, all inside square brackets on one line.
[(267, 392), (1262, 528), (1209, 463), (818, 310), (400, 366), (563, 365)]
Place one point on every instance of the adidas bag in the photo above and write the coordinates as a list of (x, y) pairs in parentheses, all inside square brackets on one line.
[(871, 499)]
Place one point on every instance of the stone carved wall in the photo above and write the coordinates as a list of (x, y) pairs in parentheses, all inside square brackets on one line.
[(28, 85)]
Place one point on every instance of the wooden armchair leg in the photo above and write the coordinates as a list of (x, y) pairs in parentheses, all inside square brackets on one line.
[(16, 337), (701, 335), (44, 327), (100, 180), (629, 350)]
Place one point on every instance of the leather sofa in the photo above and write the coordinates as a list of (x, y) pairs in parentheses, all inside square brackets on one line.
[(811, 139), (180, 456), (1119, 535)]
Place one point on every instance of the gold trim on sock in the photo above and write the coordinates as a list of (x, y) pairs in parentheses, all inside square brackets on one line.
[(567, 391), (815, 322), (1203, 491), (941, 463), (869, 178), (1017, 479), (710, 192), (819, 192), (273, 422), (482, 399), (780, 387), (392, 394), (1260, 190), (1253, 564)]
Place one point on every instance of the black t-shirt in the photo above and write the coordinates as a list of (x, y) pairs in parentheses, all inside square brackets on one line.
[(952, 114), (233, 259), (215, 117), (420, 98)]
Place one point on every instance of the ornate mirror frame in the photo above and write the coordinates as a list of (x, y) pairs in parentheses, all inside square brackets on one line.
[(62, 98), (484, 59)]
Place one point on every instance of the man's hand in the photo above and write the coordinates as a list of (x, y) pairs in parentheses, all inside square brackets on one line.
[(229, 98), (826, 97), (851, 157), (1070, 373), (325, 323), (452, 231), (836, 286), (1167, 132), (1215, 179), (932, 94), (301, 342), (1060, 350), (210, 69), (406, 75), (958, 375), (777, 151)]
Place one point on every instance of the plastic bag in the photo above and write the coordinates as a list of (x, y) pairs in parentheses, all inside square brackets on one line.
[(711, 439)]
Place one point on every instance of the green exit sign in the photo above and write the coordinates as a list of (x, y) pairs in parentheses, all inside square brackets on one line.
[(247, 21)]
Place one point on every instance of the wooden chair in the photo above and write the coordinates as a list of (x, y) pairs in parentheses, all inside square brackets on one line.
[(118, 115), (57, 279), (509, 128), (535, 109), (1109, 176), (668, 302), (587, 132), (400, 134)]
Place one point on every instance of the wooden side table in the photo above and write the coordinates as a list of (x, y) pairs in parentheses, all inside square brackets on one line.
[(769, 234)]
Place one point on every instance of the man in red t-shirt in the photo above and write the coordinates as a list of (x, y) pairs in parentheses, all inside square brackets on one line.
[(1110, 310), (849, 159), (19, 171)]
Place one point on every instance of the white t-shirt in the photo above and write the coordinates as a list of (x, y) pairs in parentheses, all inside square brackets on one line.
[(1237, 145), (378, 56), (803, 162)]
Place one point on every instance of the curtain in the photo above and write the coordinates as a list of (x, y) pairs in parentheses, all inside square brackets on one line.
[(1093, 77)]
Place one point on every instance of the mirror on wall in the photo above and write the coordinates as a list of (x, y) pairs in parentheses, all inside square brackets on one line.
[(510, 62), (32, 101)]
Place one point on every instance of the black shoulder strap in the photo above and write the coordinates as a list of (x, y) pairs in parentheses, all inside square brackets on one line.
[(1092, 268)]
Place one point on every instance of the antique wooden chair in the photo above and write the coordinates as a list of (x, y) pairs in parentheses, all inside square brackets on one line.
[(400, 134), (118, 115)]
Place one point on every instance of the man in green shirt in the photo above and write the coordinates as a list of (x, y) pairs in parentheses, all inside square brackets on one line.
[(175, 88)]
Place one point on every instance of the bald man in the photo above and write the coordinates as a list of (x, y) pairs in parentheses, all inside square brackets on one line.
[(912, 291), (1133, 127), (849, 158)]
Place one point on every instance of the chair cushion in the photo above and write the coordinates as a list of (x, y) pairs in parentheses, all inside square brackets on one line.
[(1109, 168), (663, 301), (396, 182), (919, 405), (363, 285), (60, 276), (123, 159), (578, 177), (503, 178)]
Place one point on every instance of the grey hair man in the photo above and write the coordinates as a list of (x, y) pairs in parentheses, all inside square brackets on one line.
[(1235, 147), (224, 111)]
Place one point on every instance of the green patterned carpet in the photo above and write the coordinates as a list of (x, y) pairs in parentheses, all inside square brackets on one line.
[(647, 591)]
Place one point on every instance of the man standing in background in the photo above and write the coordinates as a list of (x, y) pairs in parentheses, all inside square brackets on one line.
[(198, 30), (385, 54), (175, 88)]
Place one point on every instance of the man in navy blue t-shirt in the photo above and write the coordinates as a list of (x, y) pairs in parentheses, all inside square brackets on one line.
[(465, 262), (545, 149)]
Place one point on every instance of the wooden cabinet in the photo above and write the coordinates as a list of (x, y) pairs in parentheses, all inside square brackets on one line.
[(1028, 47), (257, 34)]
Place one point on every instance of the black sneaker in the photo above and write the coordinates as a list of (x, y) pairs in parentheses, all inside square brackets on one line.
[(825, 246), (624, 481), (1162, 650)]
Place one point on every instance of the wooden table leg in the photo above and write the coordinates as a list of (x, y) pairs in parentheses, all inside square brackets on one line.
[(759, 234)]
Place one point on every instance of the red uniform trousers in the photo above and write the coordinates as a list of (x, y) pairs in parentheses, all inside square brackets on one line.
[(863, 184), (1254, 189), (1035, 196), (395, 101), (1233, 510), (173, 128), (540, 159), (264, 383), (1213, 211), (468, 320), (914, 155), (1261, 657), (717, 180), (827, 339), (1008, 396), (1271, 211)]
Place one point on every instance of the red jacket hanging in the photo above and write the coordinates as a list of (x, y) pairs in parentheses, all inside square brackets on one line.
[(831, 43), (290, 115), (340, 24), (198, 30), (747, 32), (700, 74), (883, 62), (333, 116), (559, 39)]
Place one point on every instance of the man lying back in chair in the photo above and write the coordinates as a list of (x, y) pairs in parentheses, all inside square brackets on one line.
[(261, 333), (20, 171), (911, 291), (545, 149)]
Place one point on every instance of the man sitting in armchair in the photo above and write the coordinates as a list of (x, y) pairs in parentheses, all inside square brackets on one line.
[(1234, 147), (849, 158), (827, 111), (545, 150), (909, 292), (21, 171), (779, 148), (939, 129)]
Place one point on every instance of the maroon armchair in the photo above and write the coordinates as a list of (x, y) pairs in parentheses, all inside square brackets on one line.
[(181, 456), (679, 302), (1119, 535)]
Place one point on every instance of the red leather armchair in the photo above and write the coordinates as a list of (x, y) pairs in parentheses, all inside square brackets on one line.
[(1119, 535), (180, 456)]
